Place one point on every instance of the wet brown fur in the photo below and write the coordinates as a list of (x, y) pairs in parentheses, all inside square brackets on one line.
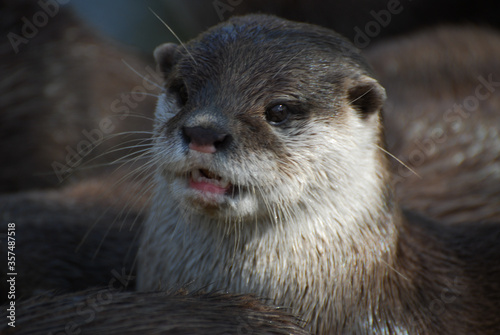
[(77, 237), (105, 311)]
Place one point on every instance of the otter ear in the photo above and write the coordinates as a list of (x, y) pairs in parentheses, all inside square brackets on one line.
[(366, 95), (166, 55)]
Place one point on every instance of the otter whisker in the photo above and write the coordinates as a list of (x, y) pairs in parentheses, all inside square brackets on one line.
[(173, 33), (399, 161), (140, 75)]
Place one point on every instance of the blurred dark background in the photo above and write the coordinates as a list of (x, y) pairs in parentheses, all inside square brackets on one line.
[(131, 21)]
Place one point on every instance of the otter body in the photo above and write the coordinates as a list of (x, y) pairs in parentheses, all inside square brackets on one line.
[(271, 180)]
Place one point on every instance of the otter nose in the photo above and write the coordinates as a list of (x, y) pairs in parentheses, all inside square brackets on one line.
[(205, 140)]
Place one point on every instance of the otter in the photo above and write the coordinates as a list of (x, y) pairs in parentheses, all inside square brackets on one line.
[(61, 111), (73, 238), (441, 120), (108, 311), (57, 208), (272, 179)]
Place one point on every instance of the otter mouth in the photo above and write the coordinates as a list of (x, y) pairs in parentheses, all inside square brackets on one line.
[(209, 183)]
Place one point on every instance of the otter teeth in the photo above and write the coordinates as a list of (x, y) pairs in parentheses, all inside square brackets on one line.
[(206, 176)]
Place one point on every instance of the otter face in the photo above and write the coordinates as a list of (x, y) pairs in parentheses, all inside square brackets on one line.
[(256, 115)]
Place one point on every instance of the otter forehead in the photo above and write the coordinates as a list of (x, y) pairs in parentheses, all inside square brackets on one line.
[(247, 58), (279, 40)]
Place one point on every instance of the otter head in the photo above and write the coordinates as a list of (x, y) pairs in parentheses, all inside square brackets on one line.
[(261, 117)]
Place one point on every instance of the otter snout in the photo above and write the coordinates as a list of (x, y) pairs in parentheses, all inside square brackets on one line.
[(205, 139)]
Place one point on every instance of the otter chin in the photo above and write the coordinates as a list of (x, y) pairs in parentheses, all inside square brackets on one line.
[(272, 180)]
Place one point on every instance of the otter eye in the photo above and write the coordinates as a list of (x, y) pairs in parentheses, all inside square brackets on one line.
[(179, 88), (277, 114), (183, 94)]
